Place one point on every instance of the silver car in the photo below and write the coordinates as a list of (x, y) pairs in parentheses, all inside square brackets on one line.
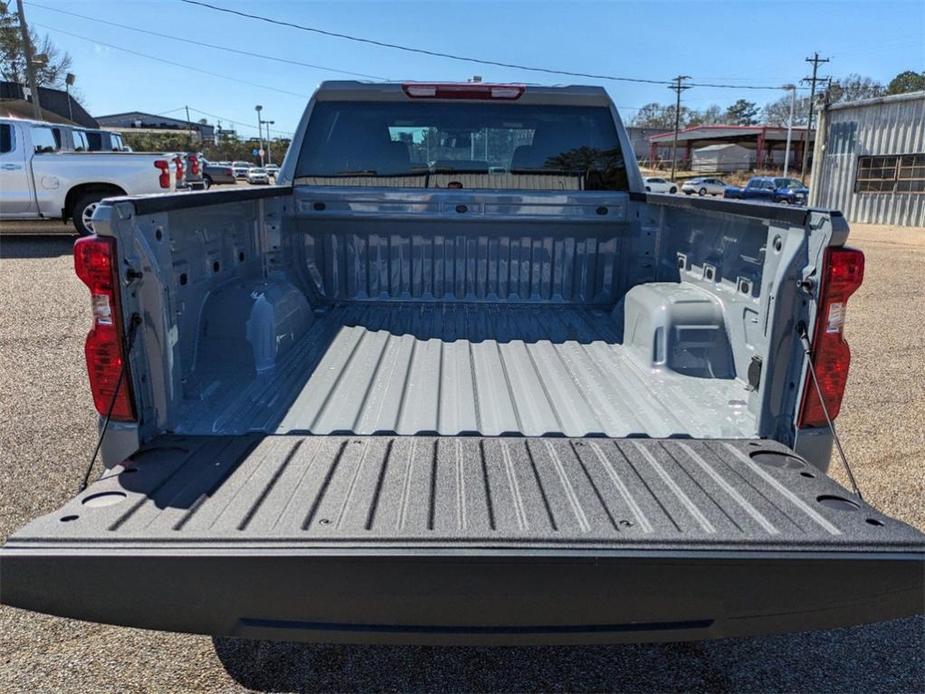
[(241, 168), (660, 185), (704, 186), (257, 175)]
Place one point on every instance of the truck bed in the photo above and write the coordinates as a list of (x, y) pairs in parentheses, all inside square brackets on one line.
[(457, 368), (461, 539)]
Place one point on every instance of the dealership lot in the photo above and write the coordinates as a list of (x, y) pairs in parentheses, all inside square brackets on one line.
[(47, 431)]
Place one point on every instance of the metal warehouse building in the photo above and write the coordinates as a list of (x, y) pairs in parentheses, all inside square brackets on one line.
[(870, 160)]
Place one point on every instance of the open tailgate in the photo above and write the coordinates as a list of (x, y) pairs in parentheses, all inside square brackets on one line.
[(466, 540)]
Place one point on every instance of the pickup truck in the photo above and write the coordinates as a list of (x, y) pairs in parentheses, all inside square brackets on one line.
[(43, 177), (771, 189), (458, 379)]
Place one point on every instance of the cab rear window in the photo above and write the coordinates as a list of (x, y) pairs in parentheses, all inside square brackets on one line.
[(6, 138), (462, 145)]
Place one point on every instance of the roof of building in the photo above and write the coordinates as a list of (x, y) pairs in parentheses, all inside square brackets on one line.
[(716, 148), (54, 102), (892, 98), (22, 110), (719, 132), (152, 118)]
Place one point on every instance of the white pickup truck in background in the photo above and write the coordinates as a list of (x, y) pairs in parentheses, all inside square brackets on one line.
[(41, 179)]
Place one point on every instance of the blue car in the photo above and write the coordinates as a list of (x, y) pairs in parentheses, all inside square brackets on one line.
[(772, 189)]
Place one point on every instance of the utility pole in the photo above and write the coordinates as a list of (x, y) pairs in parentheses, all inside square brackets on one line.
[(793, 96), (189, 129), (69, 79), (258, 108), (816, 61), (30, 65), (268, 123), (677, 87)]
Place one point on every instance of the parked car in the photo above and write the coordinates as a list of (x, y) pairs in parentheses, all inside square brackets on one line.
[(257, 175), (704, 186), (241, 168), (217, 173), (513, 400), (772, 189), (660, 185), (272, 170), (41, 180)]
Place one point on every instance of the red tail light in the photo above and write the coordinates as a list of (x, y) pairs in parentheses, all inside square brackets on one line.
[(468, 90), (95, 265), (164, 178), (193, 165), (843, 272), (178, 162)]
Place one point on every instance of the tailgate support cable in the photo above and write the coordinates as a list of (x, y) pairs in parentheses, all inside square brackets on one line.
[(134, 322), (807, 350)]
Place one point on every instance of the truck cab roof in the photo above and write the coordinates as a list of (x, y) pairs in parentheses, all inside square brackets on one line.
[(355, 90)]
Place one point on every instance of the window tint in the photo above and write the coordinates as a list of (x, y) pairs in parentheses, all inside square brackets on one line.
[(94, 141), (43, 139), (439, 144), (79, 138), (6, 138)]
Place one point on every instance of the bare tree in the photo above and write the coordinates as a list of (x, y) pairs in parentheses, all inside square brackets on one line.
[(13, 57), (778, 112), (655, 115), (854, 87), (711, 115)]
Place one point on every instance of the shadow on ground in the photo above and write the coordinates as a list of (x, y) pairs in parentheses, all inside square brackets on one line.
[(882, 657), (12, 247)]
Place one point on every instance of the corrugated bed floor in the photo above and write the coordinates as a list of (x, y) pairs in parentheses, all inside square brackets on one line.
[(451, 369)]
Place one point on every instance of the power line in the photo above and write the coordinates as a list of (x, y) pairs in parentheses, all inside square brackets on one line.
[(236, 122), (240, 52), (212, 45), (452, 56), (170, 62)]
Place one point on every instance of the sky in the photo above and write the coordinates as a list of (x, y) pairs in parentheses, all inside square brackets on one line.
[(749, 42)]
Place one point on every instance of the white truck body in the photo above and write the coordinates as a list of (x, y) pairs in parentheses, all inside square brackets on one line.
[(39, 179)]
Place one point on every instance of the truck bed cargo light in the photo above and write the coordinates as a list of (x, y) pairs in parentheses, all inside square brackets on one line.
[(465, 90)]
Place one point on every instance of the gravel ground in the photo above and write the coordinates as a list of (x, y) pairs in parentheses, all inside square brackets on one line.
[(47, 431)]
